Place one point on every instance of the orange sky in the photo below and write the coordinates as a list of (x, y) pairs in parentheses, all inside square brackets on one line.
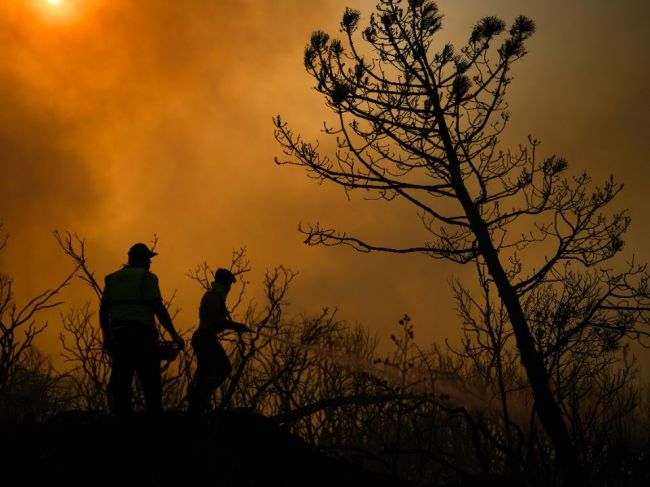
[(122, 119)]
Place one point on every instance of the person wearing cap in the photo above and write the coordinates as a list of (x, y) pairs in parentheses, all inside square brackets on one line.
[(130, 300), (213, 366)]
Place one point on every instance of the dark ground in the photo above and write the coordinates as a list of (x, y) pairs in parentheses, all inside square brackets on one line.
[(230, 448)]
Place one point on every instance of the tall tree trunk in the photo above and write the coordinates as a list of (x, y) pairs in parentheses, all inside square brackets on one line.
[(547, 407)]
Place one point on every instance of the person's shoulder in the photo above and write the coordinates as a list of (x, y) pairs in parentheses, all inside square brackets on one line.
[(151, 278), (114, 273), (150, 285), (210, 296), (150, 275)]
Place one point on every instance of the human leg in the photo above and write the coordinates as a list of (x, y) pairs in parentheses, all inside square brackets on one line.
[(211, 370), (148, 370), (119, 386)]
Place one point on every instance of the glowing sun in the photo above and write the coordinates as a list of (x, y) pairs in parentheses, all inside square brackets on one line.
[(58, 10)]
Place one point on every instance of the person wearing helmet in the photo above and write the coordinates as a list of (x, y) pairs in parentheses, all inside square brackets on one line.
[(130, 300), (213, 366)]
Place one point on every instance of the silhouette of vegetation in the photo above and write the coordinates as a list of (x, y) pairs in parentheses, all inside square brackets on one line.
[(436, 416), (422, 124), (26, 377), (594, 378)]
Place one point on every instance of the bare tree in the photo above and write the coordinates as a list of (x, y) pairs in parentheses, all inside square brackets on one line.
[(37, 390), (423, 125), (89, 365), (590, 369), (19, 326)]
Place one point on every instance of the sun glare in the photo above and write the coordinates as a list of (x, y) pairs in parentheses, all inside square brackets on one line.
[(58, 11)]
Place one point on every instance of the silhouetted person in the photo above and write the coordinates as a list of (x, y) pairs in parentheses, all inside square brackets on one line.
[(131, 299), (213, 364)]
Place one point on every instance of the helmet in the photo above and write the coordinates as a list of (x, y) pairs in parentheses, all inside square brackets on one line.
[(140, 250)]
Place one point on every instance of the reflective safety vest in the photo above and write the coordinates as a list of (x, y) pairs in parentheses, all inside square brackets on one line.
[(129, 295)]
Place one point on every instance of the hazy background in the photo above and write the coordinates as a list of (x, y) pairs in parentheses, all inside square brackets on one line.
[(122, 119)]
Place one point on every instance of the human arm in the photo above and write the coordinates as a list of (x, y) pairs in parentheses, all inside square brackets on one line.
[(230, 324), (215, 316), (166, 322), (104, 323), (238, 327), (153, 296), (104, 317)]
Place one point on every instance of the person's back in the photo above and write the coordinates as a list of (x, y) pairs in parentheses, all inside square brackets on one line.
[(130, 300), (213, 314), (130, 293)]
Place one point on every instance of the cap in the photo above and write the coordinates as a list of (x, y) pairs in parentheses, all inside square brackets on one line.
[(141, 250), (224, 276)]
